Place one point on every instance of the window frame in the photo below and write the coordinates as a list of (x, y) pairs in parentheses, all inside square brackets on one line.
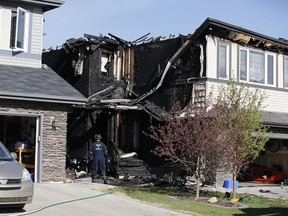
[(285, 70), (20, 31), (266, 66), (227, 60)]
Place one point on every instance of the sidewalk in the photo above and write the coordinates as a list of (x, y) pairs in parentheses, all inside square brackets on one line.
[(274, 191)]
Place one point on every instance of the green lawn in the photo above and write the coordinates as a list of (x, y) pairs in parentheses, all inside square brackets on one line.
[(169, 198)]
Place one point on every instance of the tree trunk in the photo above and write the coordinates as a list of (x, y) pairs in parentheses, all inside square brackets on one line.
[(197, 189), (198, 176), (234, 186)]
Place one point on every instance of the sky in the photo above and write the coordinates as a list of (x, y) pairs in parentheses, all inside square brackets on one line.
[(132, 19)]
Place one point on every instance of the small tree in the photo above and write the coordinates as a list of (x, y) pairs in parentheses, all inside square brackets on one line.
[(189, 140), (239, 110)]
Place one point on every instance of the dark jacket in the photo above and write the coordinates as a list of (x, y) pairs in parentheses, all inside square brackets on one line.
[(98, 151)]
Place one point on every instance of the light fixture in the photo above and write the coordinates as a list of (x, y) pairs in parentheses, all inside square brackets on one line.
[(55, 123)]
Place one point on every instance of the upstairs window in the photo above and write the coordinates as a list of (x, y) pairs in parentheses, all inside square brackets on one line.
[(19, 29), (257, 67), (223, 61), (286, 71)]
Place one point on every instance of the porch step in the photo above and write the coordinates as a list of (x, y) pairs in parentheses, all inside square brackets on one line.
[(133, 167), (130, 162)]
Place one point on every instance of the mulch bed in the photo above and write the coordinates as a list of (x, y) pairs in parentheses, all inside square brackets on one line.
[(220, 203)]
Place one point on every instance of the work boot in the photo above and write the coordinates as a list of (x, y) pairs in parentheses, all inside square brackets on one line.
[(105, 179), (94, 178)]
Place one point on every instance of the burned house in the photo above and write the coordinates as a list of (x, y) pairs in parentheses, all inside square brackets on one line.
[(126, 83), (129, 82)]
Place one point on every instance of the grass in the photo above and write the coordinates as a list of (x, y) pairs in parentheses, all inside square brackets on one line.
[(167, 198)]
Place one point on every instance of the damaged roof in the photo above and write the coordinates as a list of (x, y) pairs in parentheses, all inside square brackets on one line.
[(36, 84), (240, 35)]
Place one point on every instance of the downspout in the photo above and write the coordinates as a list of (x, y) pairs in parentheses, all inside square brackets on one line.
[(171, 61)]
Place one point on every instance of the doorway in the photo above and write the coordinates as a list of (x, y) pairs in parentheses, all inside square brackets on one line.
[(21, 133)]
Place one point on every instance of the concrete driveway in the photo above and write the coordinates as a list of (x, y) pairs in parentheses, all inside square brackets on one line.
[(85, 199)]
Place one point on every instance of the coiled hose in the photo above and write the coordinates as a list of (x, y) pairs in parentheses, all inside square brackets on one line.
[(64, 202)]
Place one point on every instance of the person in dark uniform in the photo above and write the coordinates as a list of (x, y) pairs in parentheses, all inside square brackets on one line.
[(99, 153)]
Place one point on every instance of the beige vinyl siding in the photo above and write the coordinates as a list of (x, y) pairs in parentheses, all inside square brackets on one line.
[(275, 101), (211, 57), (234, 60), (37, 31), (280, 70)]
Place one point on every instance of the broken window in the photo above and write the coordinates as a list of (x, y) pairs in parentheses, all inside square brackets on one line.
[(257, 67), (223, 61), (104, 64)]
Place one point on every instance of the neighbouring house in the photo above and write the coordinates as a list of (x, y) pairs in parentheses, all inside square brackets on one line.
[(129, 82), (34, 100)]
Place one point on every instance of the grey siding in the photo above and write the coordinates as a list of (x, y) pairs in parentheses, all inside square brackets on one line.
[(37, 31), (32, 57)]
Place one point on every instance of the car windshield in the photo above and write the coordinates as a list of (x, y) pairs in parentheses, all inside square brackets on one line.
[(4, 153)]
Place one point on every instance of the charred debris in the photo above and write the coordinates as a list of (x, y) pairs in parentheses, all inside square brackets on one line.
[(126, 83), (120, 75)]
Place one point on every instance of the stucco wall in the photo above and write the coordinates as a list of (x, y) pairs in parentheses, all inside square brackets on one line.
[(53, 141)]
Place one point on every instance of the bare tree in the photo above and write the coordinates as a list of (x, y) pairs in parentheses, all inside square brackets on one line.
[(239, 110), (191, 141)]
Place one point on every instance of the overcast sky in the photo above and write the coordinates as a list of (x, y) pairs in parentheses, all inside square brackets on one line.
[(131, 19)]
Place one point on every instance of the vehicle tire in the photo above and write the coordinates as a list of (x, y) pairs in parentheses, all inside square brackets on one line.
[(274, 145)]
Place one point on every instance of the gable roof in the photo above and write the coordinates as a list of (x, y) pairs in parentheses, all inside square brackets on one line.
[(36, 84)]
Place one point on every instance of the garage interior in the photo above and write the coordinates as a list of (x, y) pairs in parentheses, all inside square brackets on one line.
[(18, 134)]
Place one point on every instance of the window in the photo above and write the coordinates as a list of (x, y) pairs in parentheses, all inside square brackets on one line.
[(223, 61), (19, 29), (286, 71), (257, 67)]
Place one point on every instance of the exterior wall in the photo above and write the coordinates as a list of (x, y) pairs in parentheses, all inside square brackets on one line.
[(31, 57), (276, 99), (211, 57), (37, 31), (53, 141), (212, 61)]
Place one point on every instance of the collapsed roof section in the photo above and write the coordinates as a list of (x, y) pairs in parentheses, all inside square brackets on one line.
[(119, 86), (241, 36), (147, 73)]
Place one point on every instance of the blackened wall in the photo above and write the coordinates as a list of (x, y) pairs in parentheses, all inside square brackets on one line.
[(150, 61)]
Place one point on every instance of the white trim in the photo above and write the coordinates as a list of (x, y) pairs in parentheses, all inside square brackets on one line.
[(26, 29), (227, 58), (285, 66), (266, 54)]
